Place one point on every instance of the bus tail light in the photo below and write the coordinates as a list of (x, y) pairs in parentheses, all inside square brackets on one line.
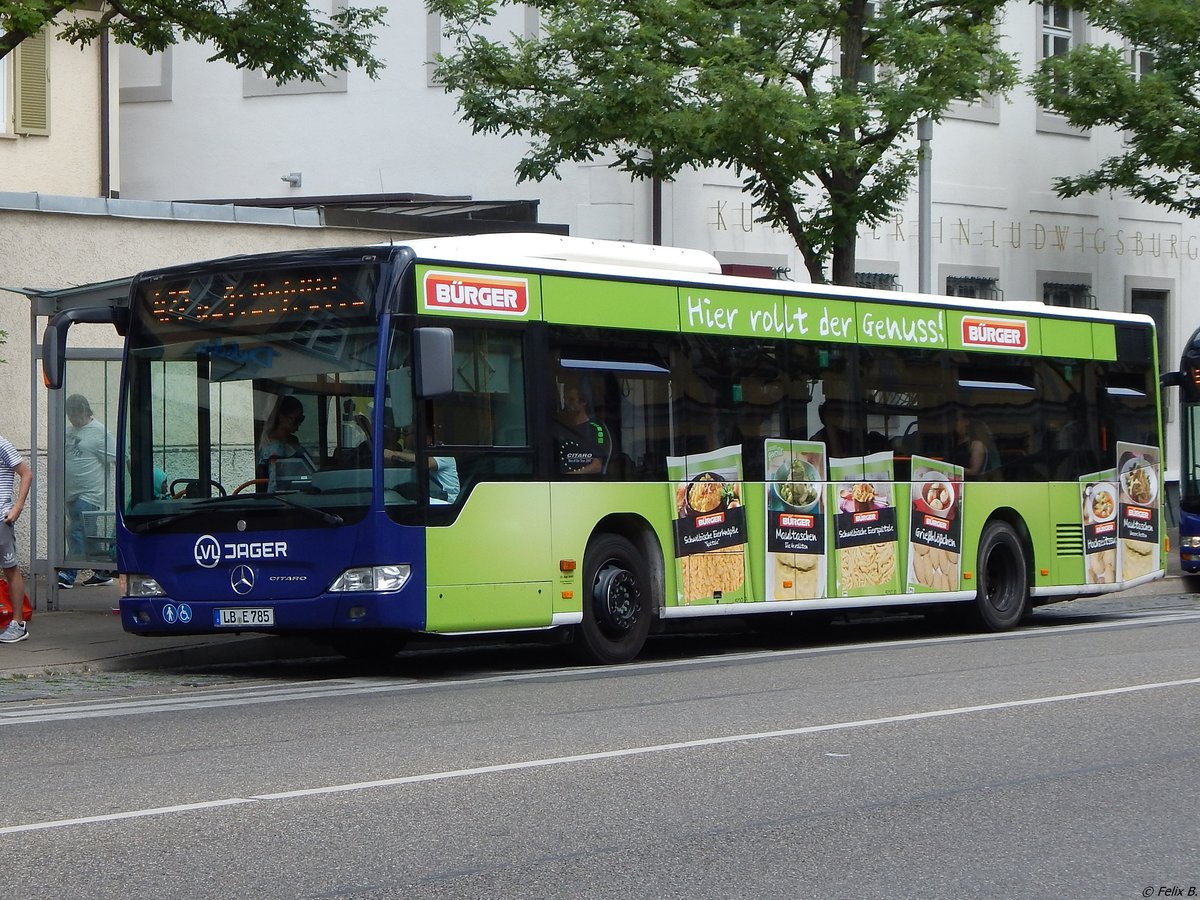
[(381, 579)]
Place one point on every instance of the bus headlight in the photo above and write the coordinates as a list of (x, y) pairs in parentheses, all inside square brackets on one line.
[(380, 579), (1191, 542), (141, 586)]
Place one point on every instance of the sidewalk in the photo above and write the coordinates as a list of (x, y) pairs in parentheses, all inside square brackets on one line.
[(84, 634)]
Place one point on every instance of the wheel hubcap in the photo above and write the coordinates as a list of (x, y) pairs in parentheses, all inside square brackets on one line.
[(618, 599)]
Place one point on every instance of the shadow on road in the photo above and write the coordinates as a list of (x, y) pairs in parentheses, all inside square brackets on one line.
[(432, 658)]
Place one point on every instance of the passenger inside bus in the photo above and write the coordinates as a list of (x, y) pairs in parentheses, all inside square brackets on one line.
[(974, 448), (443, 470), (835, 433), (279, 441), (584, 445)]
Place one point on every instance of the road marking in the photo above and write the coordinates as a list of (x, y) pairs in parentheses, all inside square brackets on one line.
[(24, 714), (579, 758)]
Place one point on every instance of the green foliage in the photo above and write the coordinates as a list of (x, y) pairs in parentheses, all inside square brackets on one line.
[(1158, 113), (285, 39), (779, 91)]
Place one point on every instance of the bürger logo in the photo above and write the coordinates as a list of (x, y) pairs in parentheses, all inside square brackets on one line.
[(1011, 334), (476, 293)]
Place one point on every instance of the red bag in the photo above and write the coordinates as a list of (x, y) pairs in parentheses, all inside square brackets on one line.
[(6, 607)]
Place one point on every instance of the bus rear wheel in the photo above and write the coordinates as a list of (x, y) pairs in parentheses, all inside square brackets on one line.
[(616, 602), (1001, 578)]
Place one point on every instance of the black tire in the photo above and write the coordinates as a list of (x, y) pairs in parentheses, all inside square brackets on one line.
[(1001, 578), (616, 602)]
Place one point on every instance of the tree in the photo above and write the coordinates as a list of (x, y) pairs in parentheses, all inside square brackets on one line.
[(283, 38), (1157, 106), (810, 102)]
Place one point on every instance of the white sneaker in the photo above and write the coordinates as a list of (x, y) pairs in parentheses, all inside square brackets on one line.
[(14, 632)]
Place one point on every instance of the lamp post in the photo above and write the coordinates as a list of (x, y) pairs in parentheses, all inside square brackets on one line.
[(925, 203)]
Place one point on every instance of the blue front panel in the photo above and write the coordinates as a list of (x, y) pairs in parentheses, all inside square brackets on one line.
[(288, 572)]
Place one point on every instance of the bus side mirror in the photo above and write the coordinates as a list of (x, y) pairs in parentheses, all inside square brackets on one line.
[(434, 350), (54, 338), (1170, 379)]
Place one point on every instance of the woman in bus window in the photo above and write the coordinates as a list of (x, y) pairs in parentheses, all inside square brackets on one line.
[(279, 439), (973, 450)]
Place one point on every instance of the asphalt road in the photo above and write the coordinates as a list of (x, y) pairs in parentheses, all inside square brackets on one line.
[(884, 759)]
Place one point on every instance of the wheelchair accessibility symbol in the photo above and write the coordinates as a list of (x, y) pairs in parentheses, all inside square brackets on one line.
[(181, 613)]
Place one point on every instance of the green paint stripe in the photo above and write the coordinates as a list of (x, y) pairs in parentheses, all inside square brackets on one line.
[(770, 315)]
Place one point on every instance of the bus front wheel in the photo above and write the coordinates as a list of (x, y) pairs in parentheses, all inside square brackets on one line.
[(1001, 578), (616, 602)]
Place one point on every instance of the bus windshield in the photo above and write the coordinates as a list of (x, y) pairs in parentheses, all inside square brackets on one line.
[(248, 394)]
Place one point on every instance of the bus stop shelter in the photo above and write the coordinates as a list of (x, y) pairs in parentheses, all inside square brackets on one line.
[(94, 372)]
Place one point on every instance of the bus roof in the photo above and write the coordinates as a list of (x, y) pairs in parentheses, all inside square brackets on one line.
[(537, 249), (587, 256)]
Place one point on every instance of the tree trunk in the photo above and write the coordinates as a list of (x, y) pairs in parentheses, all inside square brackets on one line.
[(844, 262)]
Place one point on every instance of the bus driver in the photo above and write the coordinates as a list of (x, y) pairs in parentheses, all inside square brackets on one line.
[(584, 445)]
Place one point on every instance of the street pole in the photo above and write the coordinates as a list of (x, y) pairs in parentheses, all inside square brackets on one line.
[(925, 203)]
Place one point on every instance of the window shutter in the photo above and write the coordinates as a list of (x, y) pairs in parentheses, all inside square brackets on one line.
[(31, 85)]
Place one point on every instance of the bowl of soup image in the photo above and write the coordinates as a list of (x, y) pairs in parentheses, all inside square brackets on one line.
[(1100, 504), (797, 487)]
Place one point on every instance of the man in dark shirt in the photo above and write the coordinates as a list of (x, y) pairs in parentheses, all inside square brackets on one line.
[(584, 445)]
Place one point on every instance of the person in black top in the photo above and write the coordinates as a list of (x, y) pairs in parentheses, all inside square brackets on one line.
[(834, 432), (584, 446)]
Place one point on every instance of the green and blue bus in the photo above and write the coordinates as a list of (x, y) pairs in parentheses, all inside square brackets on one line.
[(511, 433), (1187, 378)]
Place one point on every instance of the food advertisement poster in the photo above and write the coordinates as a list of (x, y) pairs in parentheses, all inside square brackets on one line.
[(795, 490), (864, 525), (1098, 505), (710, 525), (935, 526), (1139, 482)]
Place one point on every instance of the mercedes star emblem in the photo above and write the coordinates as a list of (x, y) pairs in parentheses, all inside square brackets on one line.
[(242, 579)]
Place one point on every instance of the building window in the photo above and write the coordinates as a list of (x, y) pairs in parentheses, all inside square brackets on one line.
[(1141, 62), (146, 77), (1058, 30), (1077, 296), (747, 271), (1153, 303), (256, 84), (868, 72), (877, 281), (973, 287), (985, 109)]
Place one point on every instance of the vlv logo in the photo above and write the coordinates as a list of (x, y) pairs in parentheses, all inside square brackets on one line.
[(207, 551)]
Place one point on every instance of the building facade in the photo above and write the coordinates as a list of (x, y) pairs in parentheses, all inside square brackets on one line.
[(193, 129)]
